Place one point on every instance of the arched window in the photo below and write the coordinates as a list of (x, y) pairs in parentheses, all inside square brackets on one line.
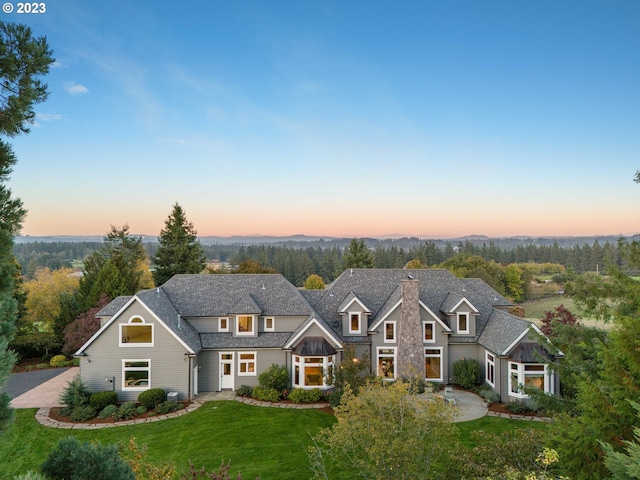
[(136, 333)]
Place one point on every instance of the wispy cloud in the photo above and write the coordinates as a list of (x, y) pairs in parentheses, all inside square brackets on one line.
[(76, 89), (58, 64), (48, 117)]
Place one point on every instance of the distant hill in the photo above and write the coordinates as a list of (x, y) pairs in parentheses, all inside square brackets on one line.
[(303, 241)]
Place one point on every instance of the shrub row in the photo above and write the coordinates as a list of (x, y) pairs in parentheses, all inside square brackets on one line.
[(300, 395)]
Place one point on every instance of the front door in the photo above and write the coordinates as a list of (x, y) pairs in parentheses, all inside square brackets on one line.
[(226, 371)]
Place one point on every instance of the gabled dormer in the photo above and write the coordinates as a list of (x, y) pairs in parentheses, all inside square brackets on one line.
[(461, 314), (244, 315), (354, 315)]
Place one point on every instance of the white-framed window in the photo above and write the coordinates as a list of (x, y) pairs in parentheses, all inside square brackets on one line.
[(490, 369), (136, 333), (463, 322), (433, 364), (247, 364), (269, 324), (136, 374), (245, 325), (389, 329), (429, 331), (354, 322), (386, 362), (312, 372), (223, 324), (529, 375)]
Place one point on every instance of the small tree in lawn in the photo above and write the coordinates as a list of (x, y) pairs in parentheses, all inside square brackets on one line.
[(179, 250)]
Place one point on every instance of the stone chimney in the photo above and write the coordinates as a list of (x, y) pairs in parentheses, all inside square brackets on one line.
[(410, 344)]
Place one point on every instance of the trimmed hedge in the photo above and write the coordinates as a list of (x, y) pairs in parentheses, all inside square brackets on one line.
[(300, 395), (266, 394), (152, 397), (99, 400)]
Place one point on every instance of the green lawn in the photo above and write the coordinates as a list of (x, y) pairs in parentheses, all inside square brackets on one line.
[(268, 442), (535, 310)]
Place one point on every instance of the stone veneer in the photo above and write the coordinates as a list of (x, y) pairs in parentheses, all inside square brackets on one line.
[(410, 355)]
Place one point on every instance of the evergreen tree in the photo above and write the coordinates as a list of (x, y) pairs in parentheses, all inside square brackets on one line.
[(23, 59), (179, 250), (358, 255), (120, 267)]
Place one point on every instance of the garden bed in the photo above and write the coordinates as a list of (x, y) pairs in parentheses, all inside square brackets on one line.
[(54, 414)]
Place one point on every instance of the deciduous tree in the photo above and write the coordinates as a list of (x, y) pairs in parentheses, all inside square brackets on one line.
[(45, 293), (314, 282), (384, 432), (179, 250)]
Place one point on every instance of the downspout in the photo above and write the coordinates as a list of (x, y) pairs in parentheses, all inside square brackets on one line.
[(189, 380)]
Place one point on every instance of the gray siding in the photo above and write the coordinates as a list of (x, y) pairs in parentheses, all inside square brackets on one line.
[(204, 324), (209, 378), (285, 324), (168, 362)]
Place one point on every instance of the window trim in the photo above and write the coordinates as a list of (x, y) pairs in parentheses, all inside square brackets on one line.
[(384, 331), (386, 355), (247, 362), (132, 322), (490, 369), (433, 331), (521, 371), (253, 326), (351, 316), (124, 369), (220, 327), (432, 355), (273, 324), (327, 365), (467, 316)]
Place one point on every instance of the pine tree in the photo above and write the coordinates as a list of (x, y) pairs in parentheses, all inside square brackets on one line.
[(118, 268), (358, 255), (23, 59), (179, 250)]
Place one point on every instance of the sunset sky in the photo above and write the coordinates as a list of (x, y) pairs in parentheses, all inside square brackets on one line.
[(359, 118)]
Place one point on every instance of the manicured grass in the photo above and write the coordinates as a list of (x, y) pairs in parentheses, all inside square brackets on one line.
[(268, 442), (536, 309)]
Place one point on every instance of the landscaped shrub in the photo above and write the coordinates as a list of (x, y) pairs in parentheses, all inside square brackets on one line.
[(466, 373), (300, 395), (275, 377), (126, 411), (266, 394), (166, 407), (108, 411), (99, 400), (244, 391), (57, 360), (75, 394), (152, 397), (517, 407), (82, 413), (489, 394), (74, 460), (141, 410)]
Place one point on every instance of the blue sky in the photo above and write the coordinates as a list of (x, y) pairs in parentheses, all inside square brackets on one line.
[(429, 118)]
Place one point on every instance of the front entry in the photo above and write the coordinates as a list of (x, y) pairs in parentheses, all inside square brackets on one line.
[(226, 371)]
